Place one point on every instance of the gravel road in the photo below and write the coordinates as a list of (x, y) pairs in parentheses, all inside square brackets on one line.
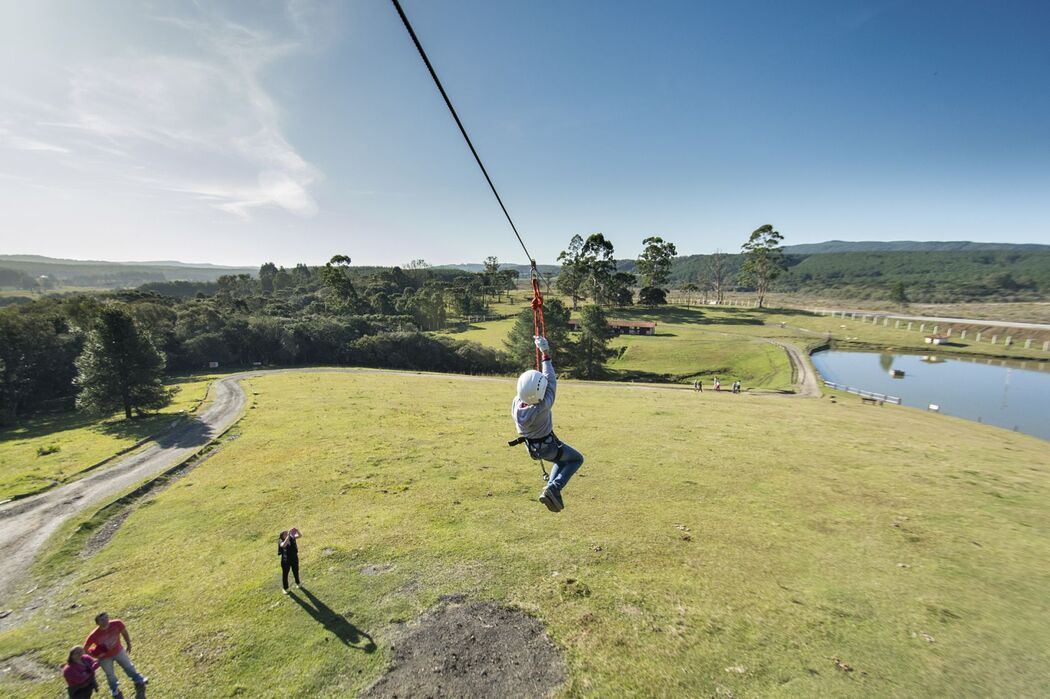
[(25, 525)]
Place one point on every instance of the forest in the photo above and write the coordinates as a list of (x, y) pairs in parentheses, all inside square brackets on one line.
[(332, 314), (928, 276)]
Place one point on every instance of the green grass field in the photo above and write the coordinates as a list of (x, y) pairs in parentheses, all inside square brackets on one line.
[(712, 545), (704, 341), (688, 345), (81, 441)]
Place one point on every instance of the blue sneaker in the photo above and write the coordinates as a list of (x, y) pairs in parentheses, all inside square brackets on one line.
[(551, 497)]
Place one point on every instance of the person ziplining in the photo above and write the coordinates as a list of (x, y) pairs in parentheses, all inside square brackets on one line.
[(537, 387), (531, 411)]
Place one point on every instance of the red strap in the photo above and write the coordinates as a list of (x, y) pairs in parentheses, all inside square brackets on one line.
[(539, 327)]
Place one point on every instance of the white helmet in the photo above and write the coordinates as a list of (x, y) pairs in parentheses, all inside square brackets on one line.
[(532, 386)]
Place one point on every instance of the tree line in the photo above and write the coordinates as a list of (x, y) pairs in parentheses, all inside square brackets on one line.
[(110, 351)]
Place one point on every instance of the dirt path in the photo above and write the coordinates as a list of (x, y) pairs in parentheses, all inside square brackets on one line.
[(805, 374), (26, 525)]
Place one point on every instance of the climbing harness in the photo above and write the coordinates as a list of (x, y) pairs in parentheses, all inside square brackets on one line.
[(536, 446)]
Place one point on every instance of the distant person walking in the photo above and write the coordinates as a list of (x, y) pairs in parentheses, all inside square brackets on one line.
[(79, 674), (700, 385), (718, 384), (696, 386), (736, 387), (288, 550), (104, 643)]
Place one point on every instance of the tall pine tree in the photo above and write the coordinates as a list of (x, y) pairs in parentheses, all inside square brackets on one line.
[(120, 367)]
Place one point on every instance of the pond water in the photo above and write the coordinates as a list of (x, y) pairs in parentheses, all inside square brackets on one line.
[(1014, 395)]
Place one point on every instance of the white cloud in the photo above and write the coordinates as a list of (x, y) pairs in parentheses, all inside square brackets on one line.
[(17, 142), (195, 121)]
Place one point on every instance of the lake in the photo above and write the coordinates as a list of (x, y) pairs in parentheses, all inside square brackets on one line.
[(1014, 395)]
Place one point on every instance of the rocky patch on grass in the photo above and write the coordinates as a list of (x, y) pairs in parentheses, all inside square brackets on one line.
[(471, 649), (26, 667)]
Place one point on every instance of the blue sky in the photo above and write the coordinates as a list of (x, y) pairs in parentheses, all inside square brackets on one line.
[(289, 131)]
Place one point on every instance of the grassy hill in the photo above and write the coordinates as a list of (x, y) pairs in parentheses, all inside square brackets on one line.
[(101, 274), (712, 545), (908, 246), (929, 276)]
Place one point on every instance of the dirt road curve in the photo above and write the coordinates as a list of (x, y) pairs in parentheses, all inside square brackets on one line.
[(25, 525), (805, 375)]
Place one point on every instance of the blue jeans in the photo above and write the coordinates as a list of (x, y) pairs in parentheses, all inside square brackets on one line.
[(125, 662), (563, 468)]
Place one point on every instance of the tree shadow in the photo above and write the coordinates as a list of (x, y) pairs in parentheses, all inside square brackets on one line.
[(687, 315), (188, 431), (338, 624), (42, 424)]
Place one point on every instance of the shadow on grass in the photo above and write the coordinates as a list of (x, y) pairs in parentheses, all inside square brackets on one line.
[(42, 424), (337, 624), (179, 431), (689, 316), (136, 428)]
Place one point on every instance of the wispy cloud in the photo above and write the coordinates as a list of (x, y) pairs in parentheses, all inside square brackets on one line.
[(195, 120), (8, 139)]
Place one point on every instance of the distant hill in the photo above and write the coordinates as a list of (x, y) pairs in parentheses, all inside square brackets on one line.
[(112, 275), (908, 246), (522, 269)]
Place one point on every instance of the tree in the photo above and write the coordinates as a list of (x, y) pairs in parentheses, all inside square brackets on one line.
[(506, 280), (426, 305), (120, 367), (599, 266), (620, 293), (519, 343), (267, 272), (689, 290), (573, 274), (898, 295), (491, 272), (592, 348), (336, 276), (763, 260), (37, 351), (654, 264), (652, 296), (718, 274)]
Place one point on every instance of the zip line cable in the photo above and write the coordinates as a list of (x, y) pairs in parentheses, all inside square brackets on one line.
[(423, 54)]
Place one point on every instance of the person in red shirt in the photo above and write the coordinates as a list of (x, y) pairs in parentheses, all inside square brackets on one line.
[(79, 674), (104, 644)]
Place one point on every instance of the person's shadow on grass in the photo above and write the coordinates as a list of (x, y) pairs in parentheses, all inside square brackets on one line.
[(346, 632)]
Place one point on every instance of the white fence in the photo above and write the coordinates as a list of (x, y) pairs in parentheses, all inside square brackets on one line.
[(864, 394)]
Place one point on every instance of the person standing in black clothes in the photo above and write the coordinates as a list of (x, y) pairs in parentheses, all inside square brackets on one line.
[(288, 550)]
